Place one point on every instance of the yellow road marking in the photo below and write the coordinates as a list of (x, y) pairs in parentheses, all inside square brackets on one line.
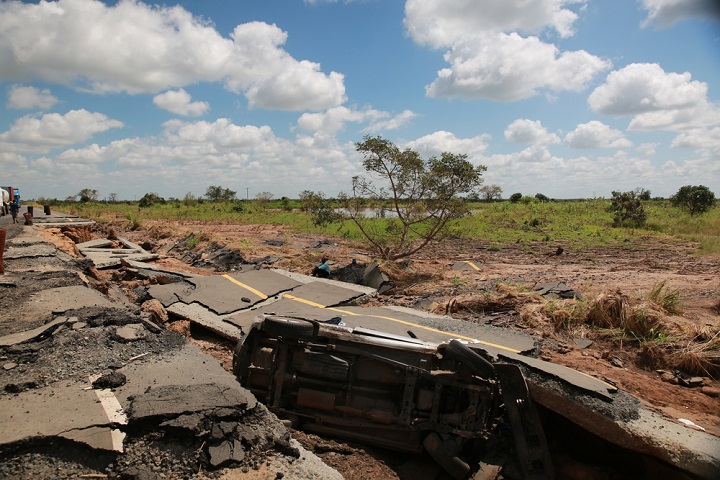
[(397, 320), (246, 287), (392, 319), (472, 264), (302, 300), (347, 312)]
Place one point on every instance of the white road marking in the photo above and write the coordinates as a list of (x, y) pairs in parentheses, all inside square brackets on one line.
[(115, 414)]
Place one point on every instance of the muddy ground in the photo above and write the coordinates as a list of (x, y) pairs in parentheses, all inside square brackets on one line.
[(428, 281)]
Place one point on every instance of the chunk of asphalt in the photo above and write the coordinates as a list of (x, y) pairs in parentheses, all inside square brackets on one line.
[(174, 400), (582, 342), (150, 325), (131, 332), (375, 278), (29, 335), (226, 453), (465, 265), (190, 422), (110, 380)]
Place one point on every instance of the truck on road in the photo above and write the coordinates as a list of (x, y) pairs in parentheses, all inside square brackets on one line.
[(9, 195)]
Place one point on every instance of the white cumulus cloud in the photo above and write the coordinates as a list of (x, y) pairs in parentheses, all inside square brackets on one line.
[(668, 12), (333, 120), (523, 130), (596, 134), (137, 48), (52, 130), (510, 67), (196, 154), (180, 102), (221, 133), (492, 54), (23, 97), (441, 23), (700, 139), (438, 142), (657, 100), (392, 123), (646, 87)]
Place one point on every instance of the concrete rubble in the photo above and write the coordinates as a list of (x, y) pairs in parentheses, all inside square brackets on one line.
[(111, 253), (555, 290)]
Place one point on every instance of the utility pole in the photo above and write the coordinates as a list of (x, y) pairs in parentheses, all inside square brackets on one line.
[(247, 193)]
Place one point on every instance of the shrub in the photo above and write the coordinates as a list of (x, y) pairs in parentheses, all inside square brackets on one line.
[(627, 209), (189, 199), (150, 199), (217, 193), (425, 194), (239, 206), (319, 208), (515, 197), (694, 199)]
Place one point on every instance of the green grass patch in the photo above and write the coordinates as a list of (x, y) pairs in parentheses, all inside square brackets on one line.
[(576, 224)]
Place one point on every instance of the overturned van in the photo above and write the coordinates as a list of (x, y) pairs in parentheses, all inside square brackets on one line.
[(391, 391)]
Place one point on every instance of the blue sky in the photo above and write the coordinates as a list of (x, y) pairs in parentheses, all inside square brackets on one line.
[(569, 98)]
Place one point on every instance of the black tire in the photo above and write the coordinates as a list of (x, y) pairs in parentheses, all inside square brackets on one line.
[(287, 328), (463, 354), (451, 463)]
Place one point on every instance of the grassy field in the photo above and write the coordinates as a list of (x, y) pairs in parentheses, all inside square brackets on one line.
[(577, 223), (587, 223)]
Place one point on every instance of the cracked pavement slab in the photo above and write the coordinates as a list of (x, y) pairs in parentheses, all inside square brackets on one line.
[(53, 411), (229, 293)]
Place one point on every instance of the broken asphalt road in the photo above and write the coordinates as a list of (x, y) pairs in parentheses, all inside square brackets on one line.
[(90, 386)]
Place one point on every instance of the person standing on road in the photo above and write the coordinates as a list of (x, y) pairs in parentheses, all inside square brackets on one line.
[(322, 270), (14, 209)]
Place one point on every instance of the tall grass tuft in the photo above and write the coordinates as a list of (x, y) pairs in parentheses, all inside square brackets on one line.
[(699, 357), (664, 297), (135, 222)]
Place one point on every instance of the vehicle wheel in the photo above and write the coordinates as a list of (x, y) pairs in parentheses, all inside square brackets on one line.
[(463, 354), (451, 463), (287, 328)]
